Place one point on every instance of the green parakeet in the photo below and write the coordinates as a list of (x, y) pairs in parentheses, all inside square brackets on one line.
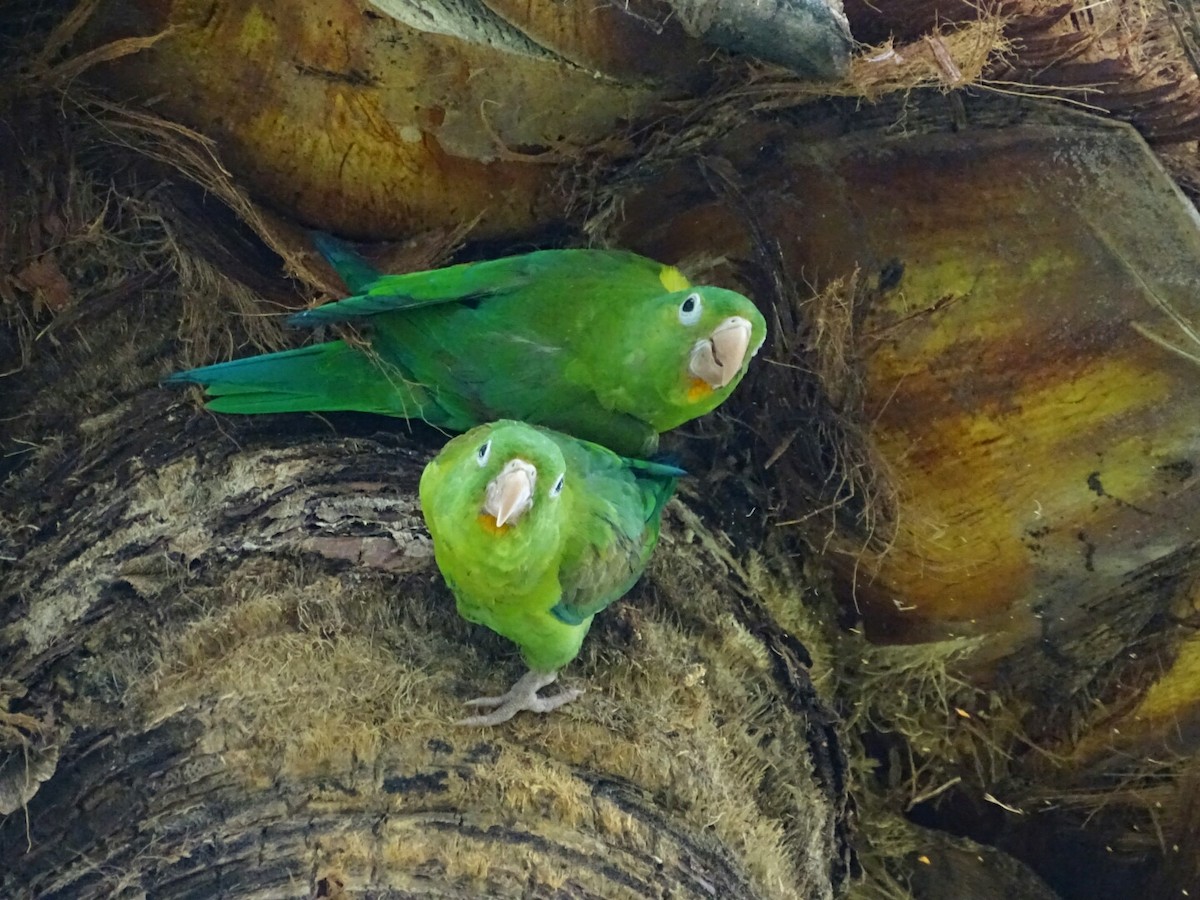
[(535, 532), (604, 345)]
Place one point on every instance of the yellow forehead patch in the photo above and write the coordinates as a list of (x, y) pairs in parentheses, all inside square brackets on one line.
[(698, 390), (672, 279)]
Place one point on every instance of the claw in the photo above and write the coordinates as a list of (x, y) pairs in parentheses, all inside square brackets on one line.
[(486, 701), (522, 696)]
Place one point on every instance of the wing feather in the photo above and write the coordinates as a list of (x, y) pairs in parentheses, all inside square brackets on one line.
[(474, 283), (620, 525)]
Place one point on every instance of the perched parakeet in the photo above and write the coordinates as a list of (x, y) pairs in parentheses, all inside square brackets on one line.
[(535, 532), (604, 345)]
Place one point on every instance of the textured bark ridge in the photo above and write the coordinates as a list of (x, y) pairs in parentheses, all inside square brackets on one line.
[(229, 666)]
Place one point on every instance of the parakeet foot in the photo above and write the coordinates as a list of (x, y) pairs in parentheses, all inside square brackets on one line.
[(521, 696)]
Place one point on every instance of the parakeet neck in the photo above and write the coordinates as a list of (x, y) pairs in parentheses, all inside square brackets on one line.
[(498, 557)]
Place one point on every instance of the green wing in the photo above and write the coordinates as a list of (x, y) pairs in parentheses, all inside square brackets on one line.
[(617, 533), (472, 283), (536, 391), (507, 354)]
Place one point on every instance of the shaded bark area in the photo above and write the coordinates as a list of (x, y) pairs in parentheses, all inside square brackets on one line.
[(88, 836)]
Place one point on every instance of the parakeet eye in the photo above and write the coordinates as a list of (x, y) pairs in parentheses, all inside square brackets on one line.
[(558, 486), (690, 309), (482, 454)]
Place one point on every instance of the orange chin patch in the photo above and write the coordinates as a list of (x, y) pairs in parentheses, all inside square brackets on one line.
[(488, 524), (698, 390)]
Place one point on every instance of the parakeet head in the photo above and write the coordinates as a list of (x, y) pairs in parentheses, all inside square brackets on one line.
[(699, 343), (498, 489)]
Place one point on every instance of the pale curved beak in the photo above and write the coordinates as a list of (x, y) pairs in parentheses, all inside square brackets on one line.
[(717, 359), (510, 493)]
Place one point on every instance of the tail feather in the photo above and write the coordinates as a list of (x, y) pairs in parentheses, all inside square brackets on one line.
[(323, 377), (659, 479), (355, 271)]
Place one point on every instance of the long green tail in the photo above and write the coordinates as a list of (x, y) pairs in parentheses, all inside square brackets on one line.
[(323, 377)]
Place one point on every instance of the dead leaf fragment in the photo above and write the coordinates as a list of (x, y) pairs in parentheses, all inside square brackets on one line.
[(45, 280)]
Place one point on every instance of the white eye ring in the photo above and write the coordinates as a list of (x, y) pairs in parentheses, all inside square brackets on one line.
[(482, 454), (690, 308), (558, 485)]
